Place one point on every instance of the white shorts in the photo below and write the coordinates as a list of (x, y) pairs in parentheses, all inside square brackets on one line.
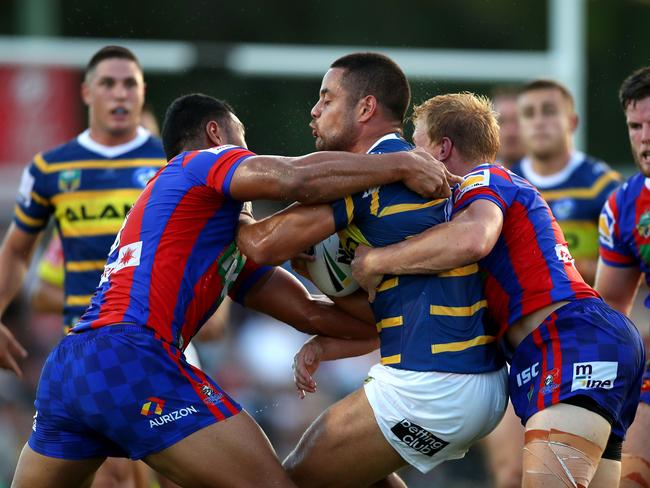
[(430, 417)]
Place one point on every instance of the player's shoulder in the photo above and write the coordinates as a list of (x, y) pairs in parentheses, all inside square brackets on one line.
[(68, 151), (516, 168), (595, 169), (629, 191), (221, 152), (389, 144), (152, 147)]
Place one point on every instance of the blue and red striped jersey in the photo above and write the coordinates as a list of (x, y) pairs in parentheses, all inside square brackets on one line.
[(624, 228), (530, 266), (174, 259)]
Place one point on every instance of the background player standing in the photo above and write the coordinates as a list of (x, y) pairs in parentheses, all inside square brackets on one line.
[(573, 184), (504, 101), (624, 257)]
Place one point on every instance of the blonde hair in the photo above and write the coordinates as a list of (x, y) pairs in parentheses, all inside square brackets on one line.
[(467, 119)]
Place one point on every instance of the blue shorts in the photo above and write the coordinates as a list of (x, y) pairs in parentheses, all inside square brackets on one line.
[(583, 349), (120, 391)]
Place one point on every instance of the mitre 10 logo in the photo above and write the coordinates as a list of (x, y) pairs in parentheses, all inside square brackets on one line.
[(153, 405)]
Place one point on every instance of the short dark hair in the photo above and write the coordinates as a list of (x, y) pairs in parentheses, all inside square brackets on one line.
[(377, 75), (547, 84), (110, 52), (505, 91), (635, 87), (186, 117)]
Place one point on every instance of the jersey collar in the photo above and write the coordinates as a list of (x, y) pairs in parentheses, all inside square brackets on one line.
[(558, 178), (392, 135), (84, 140)]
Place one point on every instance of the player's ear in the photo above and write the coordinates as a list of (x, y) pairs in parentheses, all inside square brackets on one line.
[(366, 108), (85, 93), (445, 146), (213, 133), (574, 121)]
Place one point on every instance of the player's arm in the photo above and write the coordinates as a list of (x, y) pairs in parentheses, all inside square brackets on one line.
[(325, 176), (617, 285), (284, 234), (467, 238), (587, 268), (46, 297), (284, 298), (15, 256), (317, 349)]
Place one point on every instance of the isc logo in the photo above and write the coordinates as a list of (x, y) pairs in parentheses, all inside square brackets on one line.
[(527, 374)]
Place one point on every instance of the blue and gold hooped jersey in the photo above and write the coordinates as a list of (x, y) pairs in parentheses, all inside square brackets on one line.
[(88, 188), (576, 194), (425, 322)]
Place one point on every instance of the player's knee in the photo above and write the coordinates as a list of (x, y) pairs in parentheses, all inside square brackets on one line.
[(552, 454), (635, 472)]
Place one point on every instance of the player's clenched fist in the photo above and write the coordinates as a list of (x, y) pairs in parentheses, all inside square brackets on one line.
[(305, 364), (427, 176)]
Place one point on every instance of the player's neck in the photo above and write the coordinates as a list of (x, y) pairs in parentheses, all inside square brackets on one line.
[(550, 165), (108, 139)]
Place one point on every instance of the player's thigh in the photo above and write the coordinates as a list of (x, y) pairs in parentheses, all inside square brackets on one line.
[(36, 470), (563, 443), (343, 447), (635, 469), (122, 473), (607, 475), (573, 420), (232, 452), (503, 449)]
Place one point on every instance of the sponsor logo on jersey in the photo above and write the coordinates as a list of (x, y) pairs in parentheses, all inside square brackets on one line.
[(643, 226), (25, 188), (527, 374), (209, 395), (563, 208), (218, 150), (34, 421), (91, 212), (606, 224), (563, 254), (127, 257), (69, 180), (154, 407), (551, 381), (418, 438), (474, 180), (596, 374), (141, 176)]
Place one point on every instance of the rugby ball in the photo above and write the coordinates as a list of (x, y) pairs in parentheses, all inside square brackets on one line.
[(331, 271)]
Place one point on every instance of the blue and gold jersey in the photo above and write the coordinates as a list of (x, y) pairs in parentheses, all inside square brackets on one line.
[(88, 188), (425, 322), (576, 194)]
